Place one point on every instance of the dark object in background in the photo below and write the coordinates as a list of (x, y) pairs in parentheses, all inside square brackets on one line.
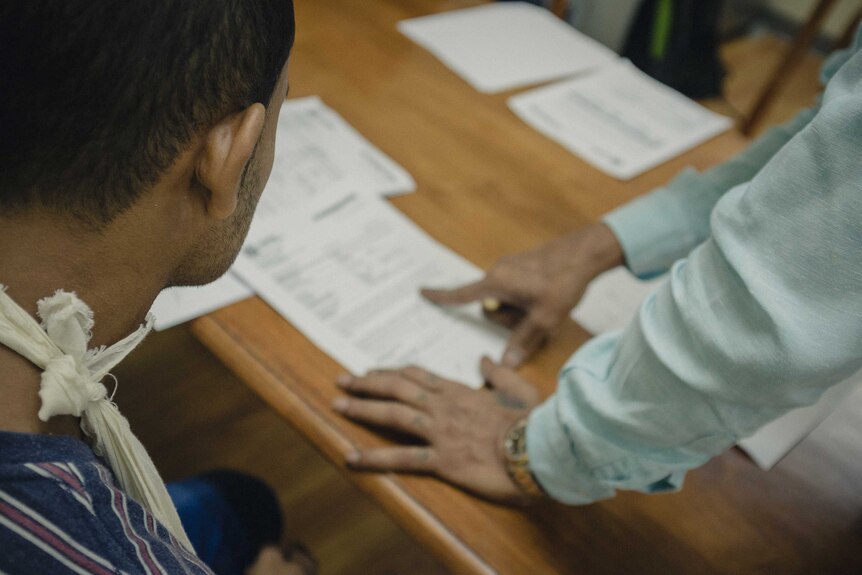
[(676, 42)]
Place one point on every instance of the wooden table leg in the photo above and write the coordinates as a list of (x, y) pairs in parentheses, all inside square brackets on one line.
[(559, 7), (849, 33), (800, 45)]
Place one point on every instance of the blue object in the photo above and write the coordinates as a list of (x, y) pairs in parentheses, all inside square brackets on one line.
[(229, 517)]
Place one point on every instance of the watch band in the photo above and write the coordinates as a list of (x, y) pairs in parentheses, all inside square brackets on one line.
[(518, 461)]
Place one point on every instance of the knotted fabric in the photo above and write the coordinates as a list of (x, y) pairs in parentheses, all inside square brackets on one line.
[(72, 385)]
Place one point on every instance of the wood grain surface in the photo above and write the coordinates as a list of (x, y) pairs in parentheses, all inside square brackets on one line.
[(489, 185)]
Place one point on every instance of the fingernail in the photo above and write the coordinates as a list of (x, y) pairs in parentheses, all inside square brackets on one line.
[(343, 380), (513, 358), (340, 404), (352, 458)]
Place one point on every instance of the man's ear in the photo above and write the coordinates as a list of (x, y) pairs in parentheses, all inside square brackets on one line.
[(227, 148)]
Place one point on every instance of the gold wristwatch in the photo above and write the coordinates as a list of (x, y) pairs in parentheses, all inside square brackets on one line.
[(518, 462)]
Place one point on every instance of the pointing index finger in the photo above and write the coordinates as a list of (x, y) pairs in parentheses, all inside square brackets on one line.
[(461, 295)]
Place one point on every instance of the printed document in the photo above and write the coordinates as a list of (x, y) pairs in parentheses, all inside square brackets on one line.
[(317, 154), (348, 276), (612, 301), (501, 46), (619, 119)]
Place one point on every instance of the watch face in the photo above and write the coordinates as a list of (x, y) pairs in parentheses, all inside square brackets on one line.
[(518, 462), (516, 442)]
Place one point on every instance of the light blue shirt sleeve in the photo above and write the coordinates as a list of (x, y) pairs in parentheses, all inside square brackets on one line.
[(762, 317), (658, 229)]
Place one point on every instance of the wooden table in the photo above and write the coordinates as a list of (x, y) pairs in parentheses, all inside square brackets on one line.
[(489, 185)]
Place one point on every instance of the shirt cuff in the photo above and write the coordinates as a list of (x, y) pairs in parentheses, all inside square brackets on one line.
[(654, 230), (552, 462)]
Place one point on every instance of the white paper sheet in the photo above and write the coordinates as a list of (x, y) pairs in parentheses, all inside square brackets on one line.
[(612, 301), (501, 46), (349, 276), (178, 305), (619, 119), (317, 153), (774, 440)]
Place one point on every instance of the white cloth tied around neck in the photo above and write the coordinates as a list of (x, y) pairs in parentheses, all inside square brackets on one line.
[(71, 385)]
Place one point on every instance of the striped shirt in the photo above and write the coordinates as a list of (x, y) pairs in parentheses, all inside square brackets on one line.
[(61, 512)]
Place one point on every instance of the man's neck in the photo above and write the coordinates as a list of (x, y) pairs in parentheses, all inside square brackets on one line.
[(19, 387), (38, 259)]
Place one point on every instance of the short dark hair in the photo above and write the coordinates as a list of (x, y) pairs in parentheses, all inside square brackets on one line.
[(99, 97)]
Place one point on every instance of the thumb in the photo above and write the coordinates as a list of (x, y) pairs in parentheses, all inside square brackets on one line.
[(464, 294), (507, 381)]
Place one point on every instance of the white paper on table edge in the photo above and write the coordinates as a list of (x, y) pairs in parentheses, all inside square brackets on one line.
[(236, 296), (760, 446)]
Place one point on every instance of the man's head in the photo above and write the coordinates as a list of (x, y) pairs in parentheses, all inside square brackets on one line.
[(112, 105)]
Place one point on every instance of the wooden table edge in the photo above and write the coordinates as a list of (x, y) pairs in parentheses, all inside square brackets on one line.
[(412, 516)]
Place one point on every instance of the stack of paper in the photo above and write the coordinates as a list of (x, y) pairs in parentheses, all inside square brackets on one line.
[(343, 265), (619, 119), (612, 301), (501, 46), (613, 116), (348, 274), (317, 154)]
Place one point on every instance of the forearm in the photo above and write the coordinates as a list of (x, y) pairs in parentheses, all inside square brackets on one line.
[(761, 318), (594, 249), (704, 365), (614, 424), (663, 226)]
